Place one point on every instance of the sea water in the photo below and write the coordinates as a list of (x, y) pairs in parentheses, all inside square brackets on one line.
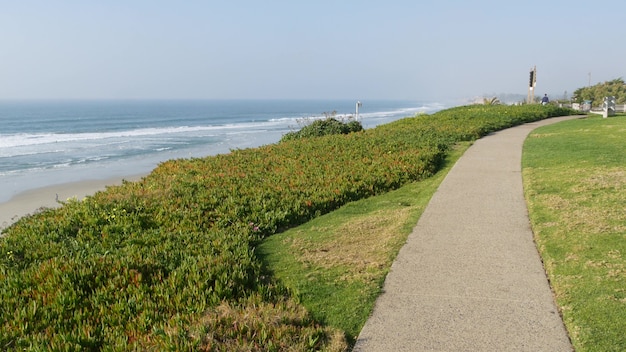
[(50, 142)]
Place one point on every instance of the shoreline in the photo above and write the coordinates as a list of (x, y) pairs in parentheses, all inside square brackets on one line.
[(29, 202)]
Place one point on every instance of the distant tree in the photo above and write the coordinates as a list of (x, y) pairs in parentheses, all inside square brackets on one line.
[(596, 93), (492, 101)]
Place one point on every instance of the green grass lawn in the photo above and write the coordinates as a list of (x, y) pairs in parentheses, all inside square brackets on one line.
[(575, 183)]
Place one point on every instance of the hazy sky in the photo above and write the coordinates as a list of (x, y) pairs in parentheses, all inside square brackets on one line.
[(392, 49)]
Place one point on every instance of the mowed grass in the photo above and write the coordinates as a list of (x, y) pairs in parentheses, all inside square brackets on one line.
[(575, 184), (336, 264)]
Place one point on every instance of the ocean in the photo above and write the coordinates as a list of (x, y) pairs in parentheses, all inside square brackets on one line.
[(43, 143)]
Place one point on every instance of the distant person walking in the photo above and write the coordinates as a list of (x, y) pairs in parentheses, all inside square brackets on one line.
[(545, 99)]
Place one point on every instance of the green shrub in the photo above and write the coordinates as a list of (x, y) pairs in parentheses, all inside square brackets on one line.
[(324, 127)]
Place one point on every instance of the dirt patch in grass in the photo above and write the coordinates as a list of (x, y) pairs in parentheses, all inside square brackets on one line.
[(361, 247), (601, 178), (580, 207), (261, 326)]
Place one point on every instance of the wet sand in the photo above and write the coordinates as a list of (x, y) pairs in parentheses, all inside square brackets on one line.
[(30, 201)]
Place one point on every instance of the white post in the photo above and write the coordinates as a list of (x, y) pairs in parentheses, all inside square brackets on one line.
[(358, 103)]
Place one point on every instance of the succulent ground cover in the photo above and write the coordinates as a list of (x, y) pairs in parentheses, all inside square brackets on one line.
[(169, 262)]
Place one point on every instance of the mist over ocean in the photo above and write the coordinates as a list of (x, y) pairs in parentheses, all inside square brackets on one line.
[(50, 142)]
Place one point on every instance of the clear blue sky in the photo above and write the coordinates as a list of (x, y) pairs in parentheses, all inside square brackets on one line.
[(418, 49)]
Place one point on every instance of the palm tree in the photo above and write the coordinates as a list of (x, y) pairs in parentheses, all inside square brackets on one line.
[(492, 101)]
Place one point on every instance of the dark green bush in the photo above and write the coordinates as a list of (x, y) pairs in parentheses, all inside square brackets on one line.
[(328, 126)]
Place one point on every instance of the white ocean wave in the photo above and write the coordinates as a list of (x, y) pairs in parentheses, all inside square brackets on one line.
[(31, 153)]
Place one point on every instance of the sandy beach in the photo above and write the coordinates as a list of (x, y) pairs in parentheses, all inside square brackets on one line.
[(30, 201)]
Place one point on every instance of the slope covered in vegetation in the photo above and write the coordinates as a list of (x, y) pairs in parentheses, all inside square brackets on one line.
[(596, 93), (168, 263)]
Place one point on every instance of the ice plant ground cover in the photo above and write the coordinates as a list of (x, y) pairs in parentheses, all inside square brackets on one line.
[(169, 262), (575, 184)]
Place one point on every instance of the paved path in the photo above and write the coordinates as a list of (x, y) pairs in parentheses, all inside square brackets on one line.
[(469, 277)]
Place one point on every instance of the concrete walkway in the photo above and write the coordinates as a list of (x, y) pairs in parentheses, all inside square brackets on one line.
[(469, 277)]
